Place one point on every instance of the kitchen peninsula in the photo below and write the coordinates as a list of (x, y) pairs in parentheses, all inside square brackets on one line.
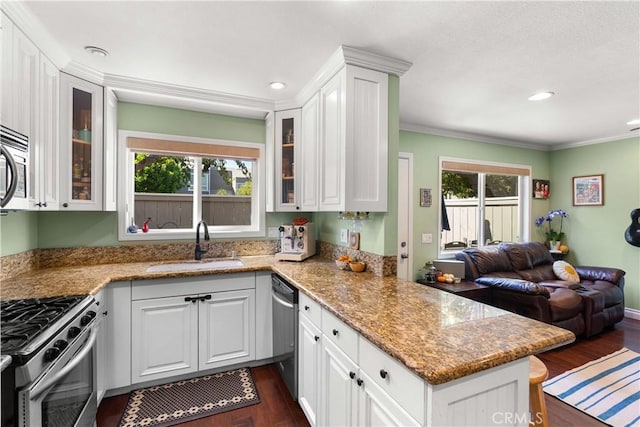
[(447, 341)]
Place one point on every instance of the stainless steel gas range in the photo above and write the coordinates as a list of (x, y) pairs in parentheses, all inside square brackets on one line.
[(51, 380)]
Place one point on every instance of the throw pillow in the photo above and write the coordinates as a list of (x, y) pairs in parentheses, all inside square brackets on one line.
[(565, 271)]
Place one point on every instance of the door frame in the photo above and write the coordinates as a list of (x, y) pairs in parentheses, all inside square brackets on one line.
[(410, 202)]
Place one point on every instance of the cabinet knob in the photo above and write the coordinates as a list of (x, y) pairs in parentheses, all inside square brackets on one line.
[(383, 373), (65, 205), (39, 204), (360, 382), (44, 205), (306, 308), (335, 332), (316, 337), (297, 208), (352, 375)]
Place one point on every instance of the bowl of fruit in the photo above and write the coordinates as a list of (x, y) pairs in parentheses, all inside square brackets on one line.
[(343, 262), (357, 266)]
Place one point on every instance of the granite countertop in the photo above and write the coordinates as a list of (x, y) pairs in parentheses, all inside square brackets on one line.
[(438, 335)]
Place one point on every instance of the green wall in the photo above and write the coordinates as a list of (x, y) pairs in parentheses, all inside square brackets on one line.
[(595, 234), (427, 150), (18, 232)]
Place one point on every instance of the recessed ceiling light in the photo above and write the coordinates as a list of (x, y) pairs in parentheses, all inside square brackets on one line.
[(277, 85), (540, 96), (98, 51), (634, 122)]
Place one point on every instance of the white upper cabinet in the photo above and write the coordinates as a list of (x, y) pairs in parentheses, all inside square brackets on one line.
[(81, 149), (354, 141), (30, 97), (287, 155), (309, 146), (46, 147)]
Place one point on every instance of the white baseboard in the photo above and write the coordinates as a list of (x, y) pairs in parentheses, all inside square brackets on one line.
[(632, 313)]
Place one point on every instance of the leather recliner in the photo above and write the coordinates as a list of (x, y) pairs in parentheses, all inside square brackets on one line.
[(522, 280)]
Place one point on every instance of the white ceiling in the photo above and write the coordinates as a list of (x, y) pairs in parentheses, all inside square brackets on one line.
[(474, 63)]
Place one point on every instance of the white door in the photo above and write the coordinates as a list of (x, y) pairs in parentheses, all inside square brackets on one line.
[(164, 337), (405, 216), (227, 328), (338, 389), (309, 353), (376, 408)]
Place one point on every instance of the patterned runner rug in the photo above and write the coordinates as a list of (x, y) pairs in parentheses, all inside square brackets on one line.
[(607, 389), (177, 402)]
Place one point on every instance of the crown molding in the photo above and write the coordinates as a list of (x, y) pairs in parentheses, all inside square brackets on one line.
[(472, 137), (36, 32), (347, 55), (634, 134), (163, 94), (84, 72)]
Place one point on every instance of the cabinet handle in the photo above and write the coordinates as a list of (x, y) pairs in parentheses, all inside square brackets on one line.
[(383, 373), (44, 205), (360, 382), (204, 298), (306, 308), (191, 299), (352, 375), (316, 337), (335, 332)]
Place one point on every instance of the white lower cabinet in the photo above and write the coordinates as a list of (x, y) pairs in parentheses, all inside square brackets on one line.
[(117, 328), (227, 329), (339, 392), (377, 408), (309, 354), (211, 323), (164, 334)]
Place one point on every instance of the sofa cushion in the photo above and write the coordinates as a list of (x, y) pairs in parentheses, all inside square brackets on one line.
[(564, 303), (525, 256), (565, 271), (613, 295), (488, 259), (539, 273)]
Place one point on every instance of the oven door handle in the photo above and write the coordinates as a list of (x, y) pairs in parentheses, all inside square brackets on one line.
[(281, 301), (39, 389), (14, 176)]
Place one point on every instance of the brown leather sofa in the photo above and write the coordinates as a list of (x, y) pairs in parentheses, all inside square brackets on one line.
[(522, 280)]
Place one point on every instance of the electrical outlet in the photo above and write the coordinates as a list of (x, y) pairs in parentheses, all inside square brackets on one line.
[(344, 236), (274, 232), (427, 238)]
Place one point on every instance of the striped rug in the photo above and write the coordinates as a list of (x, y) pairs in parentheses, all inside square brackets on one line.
[(607, 389)]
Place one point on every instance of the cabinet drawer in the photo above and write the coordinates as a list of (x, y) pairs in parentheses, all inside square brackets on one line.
[(309, 308), (399, 382), (340, 334), (161, 288)]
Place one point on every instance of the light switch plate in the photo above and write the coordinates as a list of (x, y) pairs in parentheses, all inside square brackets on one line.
[(344, 236), (427, 238)]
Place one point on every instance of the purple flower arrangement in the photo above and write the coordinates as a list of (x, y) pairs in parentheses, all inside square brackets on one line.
[(551, 234)]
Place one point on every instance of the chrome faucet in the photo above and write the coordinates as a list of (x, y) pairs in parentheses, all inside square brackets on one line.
[(199, 250)]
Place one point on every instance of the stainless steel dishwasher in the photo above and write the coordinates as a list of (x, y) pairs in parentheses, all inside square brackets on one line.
[(285, 331)]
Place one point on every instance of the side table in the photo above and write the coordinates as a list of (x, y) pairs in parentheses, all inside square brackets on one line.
[(471, 290)]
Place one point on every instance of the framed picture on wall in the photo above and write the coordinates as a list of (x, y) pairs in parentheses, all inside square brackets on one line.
[(425, 197), (541, 188), (588, 190)]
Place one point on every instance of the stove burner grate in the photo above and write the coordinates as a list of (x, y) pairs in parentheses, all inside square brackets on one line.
[(23, 320)]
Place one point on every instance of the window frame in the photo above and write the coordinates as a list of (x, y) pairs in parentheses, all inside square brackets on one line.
[(524, 189), (126, 170)]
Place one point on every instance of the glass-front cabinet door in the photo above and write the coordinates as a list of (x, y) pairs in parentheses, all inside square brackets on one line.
[(287, 131), (81, 142)]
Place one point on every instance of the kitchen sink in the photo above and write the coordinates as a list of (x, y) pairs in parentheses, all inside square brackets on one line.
[(209, 264)]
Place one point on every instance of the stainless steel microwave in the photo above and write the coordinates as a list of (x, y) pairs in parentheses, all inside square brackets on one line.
[(14, 170)]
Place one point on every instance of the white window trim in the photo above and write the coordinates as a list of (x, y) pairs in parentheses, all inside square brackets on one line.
[(524, 189), (125, 194)]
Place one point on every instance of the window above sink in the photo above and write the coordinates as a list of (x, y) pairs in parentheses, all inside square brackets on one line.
[(164, 186)]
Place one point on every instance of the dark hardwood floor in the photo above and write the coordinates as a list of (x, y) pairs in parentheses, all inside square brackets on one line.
[(278, 409)]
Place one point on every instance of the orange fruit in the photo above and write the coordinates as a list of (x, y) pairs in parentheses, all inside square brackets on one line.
[(564, 249)]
